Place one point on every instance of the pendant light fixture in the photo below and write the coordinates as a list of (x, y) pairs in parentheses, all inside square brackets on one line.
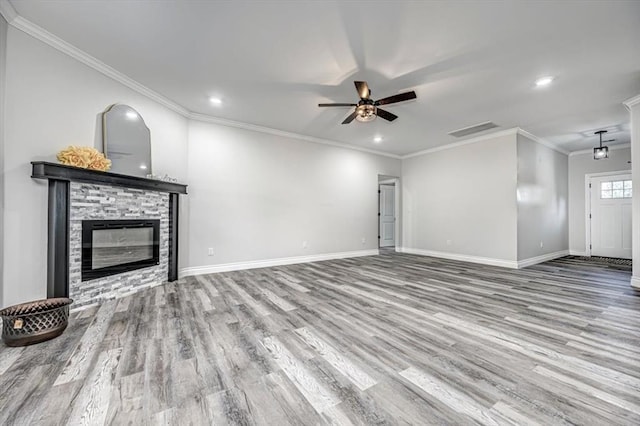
[(602, 151)]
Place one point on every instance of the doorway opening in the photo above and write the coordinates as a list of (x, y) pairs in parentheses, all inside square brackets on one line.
[(388, 211), (608, 214)]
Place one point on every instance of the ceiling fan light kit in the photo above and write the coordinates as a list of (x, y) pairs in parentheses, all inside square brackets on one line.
[(365, 113), (367, 109), (601, 152)]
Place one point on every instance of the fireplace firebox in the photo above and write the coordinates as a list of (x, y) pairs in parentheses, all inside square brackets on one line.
[(112, 247)]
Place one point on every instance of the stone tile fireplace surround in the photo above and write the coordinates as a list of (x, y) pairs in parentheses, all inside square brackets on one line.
[(80, 194), (89, 202)]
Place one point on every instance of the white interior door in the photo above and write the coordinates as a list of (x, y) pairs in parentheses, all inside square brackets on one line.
[(611, 216), (386, 213)]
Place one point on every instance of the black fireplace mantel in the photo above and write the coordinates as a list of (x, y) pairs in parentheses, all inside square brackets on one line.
[(59, 177), (46, 170)]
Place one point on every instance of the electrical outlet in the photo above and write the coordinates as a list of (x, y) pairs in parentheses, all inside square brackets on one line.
[(304, 244), (364, 240), (210, 251), (448, 242), (541, 244)]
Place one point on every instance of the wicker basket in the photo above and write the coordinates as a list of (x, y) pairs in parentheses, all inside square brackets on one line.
[(34, 322)]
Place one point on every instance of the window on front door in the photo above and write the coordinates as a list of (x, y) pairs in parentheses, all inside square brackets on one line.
[(615, 189)]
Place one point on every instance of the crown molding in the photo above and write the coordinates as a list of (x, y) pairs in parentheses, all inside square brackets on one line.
[(507, 132), (45, 36), (268, 130), (541, 141), (477, 139), (629, 103), (7, 10), (590, 150)]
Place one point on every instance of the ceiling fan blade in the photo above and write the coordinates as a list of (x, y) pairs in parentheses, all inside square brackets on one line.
[(385, 114), (350, 118), (396, 98), (363, 89), (337, 105)]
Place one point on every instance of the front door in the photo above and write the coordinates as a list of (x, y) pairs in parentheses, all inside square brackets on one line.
[(387, 216), (611, 216)]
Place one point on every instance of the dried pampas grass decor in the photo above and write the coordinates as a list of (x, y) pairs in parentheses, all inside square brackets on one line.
[(85, 157)]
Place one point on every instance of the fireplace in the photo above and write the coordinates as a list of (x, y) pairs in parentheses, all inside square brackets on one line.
[(77, 195), (112, 247)]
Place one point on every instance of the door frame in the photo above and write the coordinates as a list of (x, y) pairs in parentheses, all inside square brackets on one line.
[(587, 203), (396, 195)]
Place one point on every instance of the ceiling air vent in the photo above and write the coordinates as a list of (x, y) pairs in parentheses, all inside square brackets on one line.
[(466, 131)]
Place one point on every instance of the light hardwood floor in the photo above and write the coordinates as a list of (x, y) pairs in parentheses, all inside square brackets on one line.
[(390, 339)]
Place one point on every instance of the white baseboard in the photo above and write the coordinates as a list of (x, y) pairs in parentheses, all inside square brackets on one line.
[(462, 257), (578, 253), (238, 266), (543, 258), (635, 282)]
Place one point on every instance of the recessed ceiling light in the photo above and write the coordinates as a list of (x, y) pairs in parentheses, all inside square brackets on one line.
[(377, 139), (215, 101), (544, 81)]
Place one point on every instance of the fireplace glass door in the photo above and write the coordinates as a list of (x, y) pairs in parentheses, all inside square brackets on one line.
[(112, 247)]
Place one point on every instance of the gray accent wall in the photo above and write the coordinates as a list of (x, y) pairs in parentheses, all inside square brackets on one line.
[(542, 198), (461, 201), (579, 166)]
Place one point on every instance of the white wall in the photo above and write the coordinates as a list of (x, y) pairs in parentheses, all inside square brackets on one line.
[(462, 201), (52, 101), (255, 196), (542, 199), (3, 52), (634, 108), (579, 166)]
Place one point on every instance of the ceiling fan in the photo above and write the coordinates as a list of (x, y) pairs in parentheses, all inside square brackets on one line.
[(367, 109)]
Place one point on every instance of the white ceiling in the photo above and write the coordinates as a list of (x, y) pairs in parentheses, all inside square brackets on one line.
[(272, 62)]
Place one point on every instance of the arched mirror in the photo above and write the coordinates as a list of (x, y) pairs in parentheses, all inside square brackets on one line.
[(127, 141)]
